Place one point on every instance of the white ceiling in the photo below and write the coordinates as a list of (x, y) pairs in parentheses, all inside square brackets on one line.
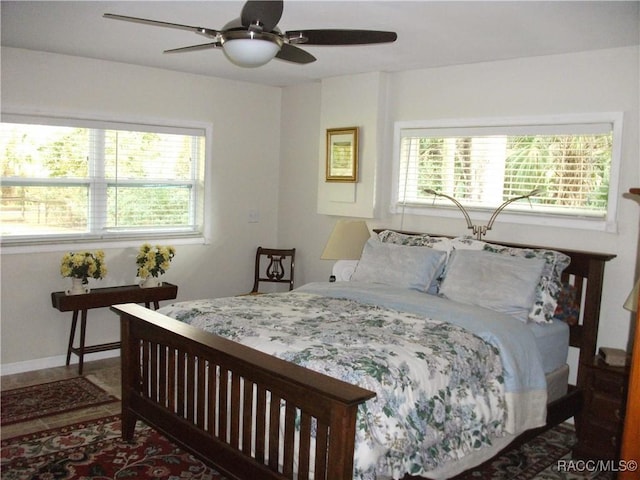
[(430, 34)]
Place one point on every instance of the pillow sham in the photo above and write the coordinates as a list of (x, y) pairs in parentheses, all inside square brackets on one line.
[(467, 242), (398, 265), (416, 240), (499, 282), (550, 283), (421, 240)]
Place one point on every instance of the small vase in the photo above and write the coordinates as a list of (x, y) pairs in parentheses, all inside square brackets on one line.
[(150, 282), (78, 287)]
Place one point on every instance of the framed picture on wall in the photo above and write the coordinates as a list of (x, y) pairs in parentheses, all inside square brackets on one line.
[(342, 154)]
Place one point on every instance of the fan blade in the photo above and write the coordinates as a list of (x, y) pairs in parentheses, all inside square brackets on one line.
[(202, 30), (193, 48), (291, 53), (340, 37), (266, 14)]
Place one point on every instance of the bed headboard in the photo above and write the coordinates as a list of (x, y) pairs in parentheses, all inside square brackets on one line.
[(585, 273)]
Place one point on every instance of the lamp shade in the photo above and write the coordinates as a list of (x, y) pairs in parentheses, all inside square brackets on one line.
[(346, 240), (632, 300), (250, 49)]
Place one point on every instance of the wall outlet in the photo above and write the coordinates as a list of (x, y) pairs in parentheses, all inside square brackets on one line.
[(254, 215)]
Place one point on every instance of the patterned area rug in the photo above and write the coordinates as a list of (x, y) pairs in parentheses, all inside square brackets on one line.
[(545, 457), (94, 450), (29, 403)]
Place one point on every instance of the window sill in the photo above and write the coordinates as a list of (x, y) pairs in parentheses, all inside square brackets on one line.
[(9, 249), (538, 220)]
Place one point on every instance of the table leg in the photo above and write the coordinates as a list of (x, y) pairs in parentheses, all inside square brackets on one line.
[(72, 335), (83, 330)]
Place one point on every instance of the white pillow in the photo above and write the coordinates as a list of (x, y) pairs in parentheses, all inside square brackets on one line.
[(499, 282), (398, 265), (343, 270)]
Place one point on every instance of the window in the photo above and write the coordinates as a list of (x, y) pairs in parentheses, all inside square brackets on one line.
[(571, 161), (66, 179)]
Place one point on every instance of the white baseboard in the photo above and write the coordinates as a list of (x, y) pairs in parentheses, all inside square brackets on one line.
[(50, 362)]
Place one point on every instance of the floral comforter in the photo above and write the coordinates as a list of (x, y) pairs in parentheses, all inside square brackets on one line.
[(440, 389)]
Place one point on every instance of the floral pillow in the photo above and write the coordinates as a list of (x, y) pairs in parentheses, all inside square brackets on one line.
[(550, 284), (467, 243), (417, 240), (568, 309)]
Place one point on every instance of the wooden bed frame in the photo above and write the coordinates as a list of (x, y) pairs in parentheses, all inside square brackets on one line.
[(171, 380)]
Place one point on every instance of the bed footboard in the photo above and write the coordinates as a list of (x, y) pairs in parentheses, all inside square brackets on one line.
[(248, 414)]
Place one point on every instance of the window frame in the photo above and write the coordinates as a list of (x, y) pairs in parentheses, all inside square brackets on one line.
[(517, 215), (124, 239)]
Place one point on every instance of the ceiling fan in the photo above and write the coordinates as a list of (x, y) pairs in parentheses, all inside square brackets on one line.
[(254, 38)]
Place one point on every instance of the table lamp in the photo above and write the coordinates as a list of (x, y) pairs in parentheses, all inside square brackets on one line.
[(346, 240), (632, 300)]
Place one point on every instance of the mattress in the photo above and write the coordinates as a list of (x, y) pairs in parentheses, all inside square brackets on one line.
[(552, 340), (557, 383)]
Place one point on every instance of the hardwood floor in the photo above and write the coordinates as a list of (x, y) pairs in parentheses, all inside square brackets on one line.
[(104, 373)]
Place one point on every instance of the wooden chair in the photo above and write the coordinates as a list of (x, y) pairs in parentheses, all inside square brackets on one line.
[(273, 265)]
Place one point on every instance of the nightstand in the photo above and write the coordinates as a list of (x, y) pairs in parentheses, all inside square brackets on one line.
[(600, 424)]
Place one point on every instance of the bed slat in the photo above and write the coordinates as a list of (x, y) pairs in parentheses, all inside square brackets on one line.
[(274, 430), (305, 446), (261, 416), (247, 416)]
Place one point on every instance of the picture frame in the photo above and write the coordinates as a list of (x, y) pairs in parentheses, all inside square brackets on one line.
[(342, 155)]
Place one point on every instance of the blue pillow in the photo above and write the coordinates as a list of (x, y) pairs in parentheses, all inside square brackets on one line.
[(502, 283), (398, 265)]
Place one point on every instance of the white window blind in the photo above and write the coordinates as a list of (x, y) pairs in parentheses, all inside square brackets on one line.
[(481, 166), (76, 179)]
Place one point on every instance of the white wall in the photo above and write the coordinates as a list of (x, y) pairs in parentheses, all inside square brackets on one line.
[(246, 145), (354, 101), (276, 168), (299, 225), (598, 81)]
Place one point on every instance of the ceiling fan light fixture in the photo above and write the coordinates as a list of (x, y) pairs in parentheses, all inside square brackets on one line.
[(254, 39), (250, 49)]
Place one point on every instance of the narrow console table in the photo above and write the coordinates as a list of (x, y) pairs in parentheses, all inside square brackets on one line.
[(105, 297)]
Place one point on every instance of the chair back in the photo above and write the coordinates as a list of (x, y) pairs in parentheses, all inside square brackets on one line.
[(274, 265)]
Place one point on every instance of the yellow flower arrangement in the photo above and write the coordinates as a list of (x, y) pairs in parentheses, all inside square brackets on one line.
[(83, 265), (154, 261)]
